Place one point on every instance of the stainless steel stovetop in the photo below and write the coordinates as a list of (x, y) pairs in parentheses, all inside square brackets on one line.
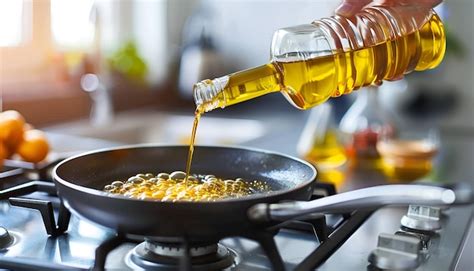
[(33, 249), (357, 237)]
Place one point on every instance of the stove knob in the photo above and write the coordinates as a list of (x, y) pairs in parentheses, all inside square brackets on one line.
[(5, 238), (423, 218), (424, 238), (396, 252)]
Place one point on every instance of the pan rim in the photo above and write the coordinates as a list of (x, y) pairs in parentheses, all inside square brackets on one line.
[(96, 192)]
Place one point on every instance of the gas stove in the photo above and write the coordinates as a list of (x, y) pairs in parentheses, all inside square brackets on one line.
[(38, 233)]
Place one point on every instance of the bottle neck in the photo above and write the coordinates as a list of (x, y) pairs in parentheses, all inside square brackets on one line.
[(237, 87), (207, 92)]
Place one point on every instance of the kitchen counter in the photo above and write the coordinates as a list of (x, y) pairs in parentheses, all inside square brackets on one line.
[(453, 163)]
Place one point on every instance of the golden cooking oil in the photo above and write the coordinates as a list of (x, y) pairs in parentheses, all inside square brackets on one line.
[(335, 176), (328, 152), (177, 186), (407, 160), (320, 141), (410, 170), (197, 116), (310, 82)]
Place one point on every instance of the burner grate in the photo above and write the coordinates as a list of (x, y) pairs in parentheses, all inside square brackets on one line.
[(330, 237), (352, 222), (45, 207), (16, 172), (40, 169)]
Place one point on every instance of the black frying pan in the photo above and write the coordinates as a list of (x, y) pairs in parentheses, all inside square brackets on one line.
[(80, 179)]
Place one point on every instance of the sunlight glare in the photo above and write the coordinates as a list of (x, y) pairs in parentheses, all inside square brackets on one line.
[(11, 15), (71, 24)]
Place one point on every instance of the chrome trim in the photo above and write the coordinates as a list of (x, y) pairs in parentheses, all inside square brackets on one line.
[(373, 197)]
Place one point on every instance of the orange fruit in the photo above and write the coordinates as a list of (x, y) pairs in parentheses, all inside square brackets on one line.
[(11, 128), (34, 147), (27, 127)]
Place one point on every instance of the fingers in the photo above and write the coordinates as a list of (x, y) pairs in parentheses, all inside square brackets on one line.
[(349, 8)]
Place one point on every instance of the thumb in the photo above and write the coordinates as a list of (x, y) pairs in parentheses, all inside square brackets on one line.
[(349, 8)]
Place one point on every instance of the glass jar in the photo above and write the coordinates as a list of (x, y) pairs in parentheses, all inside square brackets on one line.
[(409, 155), (363, 126)]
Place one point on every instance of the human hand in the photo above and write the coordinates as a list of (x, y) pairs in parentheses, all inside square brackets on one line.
[(349, 8)]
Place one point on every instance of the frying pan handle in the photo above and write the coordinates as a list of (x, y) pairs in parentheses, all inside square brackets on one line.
[(372, 198)]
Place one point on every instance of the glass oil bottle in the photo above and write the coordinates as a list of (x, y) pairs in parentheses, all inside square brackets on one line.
[(320, 143), (334, 56)]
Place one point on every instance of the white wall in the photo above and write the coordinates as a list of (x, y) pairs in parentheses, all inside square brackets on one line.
[(244, 29), (460, 72), (150, 34)]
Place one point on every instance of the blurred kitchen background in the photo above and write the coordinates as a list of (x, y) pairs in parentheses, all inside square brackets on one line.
[(123, 70)]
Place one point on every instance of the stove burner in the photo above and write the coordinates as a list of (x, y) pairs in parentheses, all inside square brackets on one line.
[(160, 256), (6, 239), (177, 250)]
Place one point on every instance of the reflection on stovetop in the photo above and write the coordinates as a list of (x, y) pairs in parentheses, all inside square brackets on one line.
[(74, 249)]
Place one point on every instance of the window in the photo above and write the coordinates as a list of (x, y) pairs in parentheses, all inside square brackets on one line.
[(41, 40), (15, 22), (47, 45), (72, 23)]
